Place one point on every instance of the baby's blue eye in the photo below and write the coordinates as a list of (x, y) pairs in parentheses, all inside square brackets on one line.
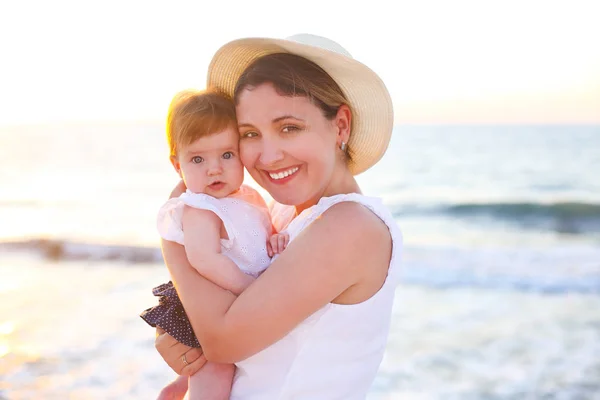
[(227, 155), (197, 160)]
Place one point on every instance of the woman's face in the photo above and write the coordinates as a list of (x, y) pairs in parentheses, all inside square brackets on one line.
[(286, 144)]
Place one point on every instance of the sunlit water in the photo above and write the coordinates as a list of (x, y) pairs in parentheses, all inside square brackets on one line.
[(501, 288)]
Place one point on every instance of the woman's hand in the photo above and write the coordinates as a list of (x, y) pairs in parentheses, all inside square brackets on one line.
[(179, 190), (182, 359)]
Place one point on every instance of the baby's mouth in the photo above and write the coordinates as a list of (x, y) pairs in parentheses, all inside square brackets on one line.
[(216, 185)]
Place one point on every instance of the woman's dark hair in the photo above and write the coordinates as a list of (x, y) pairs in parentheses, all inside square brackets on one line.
[(293, 75)]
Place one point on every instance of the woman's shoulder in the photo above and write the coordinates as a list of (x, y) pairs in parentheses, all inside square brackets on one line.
[(358, 217), (365, 230), (343, 208), (346, 238), (348, 215)]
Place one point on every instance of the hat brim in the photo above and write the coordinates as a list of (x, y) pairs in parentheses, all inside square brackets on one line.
[(369, 99)]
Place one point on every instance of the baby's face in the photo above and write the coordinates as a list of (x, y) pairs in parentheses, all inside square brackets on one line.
[(211, 164)]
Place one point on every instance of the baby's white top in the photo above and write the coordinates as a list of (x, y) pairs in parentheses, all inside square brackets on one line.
[(336, 352), (246, 221)]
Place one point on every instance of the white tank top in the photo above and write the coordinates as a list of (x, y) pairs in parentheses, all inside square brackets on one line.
[(336, 352)]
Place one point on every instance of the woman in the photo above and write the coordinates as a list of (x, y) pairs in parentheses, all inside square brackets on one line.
[(314, 325)]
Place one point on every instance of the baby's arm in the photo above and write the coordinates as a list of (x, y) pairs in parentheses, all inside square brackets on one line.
[(202, 241)]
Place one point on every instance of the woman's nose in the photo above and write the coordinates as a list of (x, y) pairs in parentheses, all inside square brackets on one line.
[(271, 153)]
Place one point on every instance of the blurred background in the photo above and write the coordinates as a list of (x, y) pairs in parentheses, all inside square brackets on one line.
[(493, 174)]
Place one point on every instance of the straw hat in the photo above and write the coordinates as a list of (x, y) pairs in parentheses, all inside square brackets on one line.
[(373, 115)]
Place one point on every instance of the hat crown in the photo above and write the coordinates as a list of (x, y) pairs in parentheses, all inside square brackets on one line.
[(320, 42)]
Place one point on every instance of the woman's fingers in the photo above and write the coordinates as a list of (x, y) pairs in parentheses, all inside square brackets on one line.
[(173, 352), (193, 366), (269, 248), (163, 340), (193, 354), (182, 359), (174, 357)]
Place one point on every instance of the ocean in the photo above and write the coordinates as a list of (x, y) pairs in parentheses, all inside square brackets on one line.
[(501, 291)]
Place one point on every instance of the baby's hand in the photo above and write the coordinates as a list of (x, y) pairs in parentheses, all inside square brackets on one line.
[(277, 243)]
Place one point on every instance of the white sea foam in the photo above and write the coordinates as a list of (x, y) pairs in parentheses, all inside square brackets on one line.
[(549, 270), (80, 337)]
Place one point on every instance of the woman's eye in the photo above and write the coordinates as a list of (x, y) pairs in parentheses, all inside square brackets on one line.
[(290, 128), (197, 160), (249, 134), (227, 155)]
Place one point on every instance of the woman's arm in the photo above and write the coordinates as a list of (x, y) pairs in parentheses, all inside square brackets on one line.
[(335, 253), (202, 240)]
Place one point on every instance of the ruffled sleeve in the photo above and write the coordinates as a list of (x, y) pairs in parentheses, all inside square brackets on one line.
[(281, 215), (169, 220)]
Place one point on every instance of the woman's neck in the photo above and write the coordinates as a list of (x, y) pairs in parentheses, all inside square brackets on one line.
[(342, 182)]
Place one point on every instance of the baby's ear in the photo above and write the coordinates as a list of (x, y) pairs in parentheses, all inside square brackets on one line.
[(176, 165)]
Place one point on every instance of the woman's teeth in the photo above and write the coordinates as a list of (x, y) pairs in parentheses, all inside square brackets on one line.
[(281, 175)]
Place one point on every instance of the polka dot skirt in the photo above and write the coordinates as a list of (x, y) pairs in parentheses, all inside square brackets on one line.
[(170, 315)]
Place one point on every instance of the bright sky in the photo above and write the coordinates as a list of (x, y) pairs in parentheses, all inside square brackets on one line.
[(508, 61)]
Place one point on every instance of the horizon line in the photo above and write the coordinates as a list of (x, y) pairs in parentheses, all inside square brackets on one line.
[(396, 124)]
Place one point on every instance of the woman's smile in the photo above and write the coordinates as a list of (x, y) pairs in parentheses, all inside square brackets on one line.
[(283, 175)]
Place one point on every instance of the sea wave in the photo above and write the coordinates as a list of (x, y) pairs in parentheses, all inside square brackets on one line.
[(563, 217), (64, 250), (549, 270)]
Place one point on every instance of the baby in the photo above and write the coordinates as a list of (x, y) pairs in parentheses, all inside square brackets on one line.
[(224, 226)]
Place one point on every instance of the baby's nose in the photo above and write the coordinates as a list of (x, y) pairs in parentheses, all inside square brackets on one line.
[(215, 169)]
